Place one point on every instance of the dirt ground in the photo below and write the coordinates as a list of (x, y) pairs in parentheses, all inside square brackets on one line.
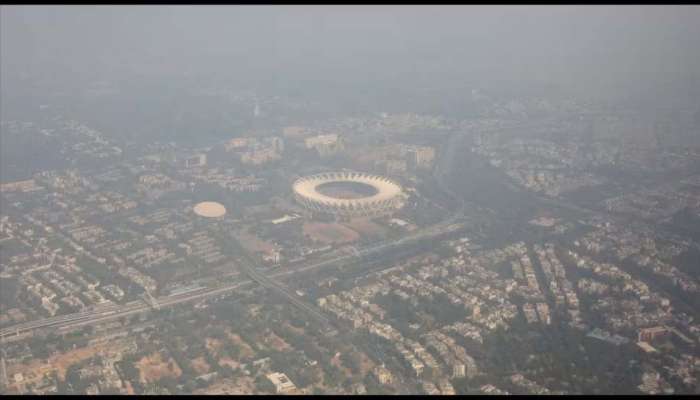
[(129, 388), (367, 364), (337, 362), (246, 350), (242, 385), (224, 361), (254, 244), (329, 233), (299, 331), (277, 342), (365, 227), (213, 345), (35, 370), (200, 365), (152, 368)]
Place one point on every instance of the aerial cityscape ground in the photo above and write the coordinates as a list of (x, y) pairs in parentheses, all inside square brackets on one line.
[(535, 244)]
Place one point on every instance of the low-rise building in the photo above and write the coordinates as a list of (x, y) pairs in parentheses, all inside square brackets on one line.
[(282, 383)]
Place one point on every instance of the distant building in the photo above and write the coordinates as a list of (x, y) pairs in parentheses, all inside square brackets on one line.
[(650, 334), (259, 157), (277, 144), (20, 186), (272, 256), (647, 347), (600, 334), (282, 383), (314, 141), (294, 131), (256, 110), (325, 145), (543, 313), (383, 375), (198, 160), (492, 390), (459, 370), (238, 143), (420, 157)]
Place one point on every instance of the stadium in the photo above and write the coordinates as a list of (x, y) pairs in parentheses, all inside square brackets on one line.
[(348, 194)]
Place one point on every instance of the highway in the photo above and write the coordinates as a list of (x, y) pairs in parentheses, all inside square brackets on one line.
[(296, 301), (248, 266), (105, 313), (113, 311)]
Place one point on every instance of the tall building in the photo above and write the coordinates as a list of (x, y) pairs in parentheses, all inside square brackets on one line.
[(326, 145), (277, 144), (198, 160), (420, 157), (256, 110)]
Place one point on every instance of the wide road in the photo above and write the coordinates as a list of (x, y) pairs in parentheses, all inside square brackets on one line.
[(114, 311)]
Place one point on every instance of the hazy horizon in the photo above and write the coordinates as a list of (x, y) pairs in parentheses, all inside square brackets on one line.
[(605, 51)]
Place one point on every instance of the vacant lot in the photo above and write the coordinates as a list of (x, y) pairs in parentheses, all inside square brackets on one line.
[(242, 385), (366, 227), (277, 342), (200, 365), (329, 233), (37, 368), (227, 361), (154, 367), (246, 351), (213, 345), (367, 364), (254, 244)]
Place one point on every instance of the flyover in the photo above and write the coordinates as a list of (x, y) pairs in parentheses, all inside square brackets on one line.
[(109, 312)]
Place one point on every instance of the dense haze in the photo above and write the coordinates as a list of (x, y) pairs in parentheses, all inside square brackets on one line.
[(349, 200), (610, 51)]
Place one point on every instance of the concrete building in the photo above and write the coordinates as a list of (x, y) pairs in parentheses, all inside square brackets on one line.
[(383, 375), (650, 334), (282, 383), (420, 157), (325, 145), (198, 160)]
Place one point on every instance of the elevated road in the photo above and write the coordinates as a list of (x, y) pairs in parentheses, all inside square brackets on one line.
[(114, 311), (109, 312), (292, 297), (106, 313), (248, 266)]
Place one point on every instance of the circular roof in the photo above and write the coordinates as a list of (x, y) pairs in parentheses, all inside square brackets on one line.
[(307, 187), (210, 209)]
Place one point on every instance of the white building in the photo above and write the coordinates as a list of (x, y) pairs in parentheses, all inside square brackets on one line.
[(282, 383)]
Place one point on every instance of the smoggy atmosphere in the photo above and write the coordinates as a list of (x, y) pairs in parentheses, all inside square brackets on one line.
[(350, 200)]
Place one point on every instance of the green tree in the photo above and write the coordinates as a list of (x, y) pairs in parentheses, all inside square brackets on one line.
[(263, 385)]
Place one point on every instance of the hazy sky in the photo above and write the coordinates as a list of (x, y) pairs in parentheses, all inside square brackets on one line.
[(627, 48)]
